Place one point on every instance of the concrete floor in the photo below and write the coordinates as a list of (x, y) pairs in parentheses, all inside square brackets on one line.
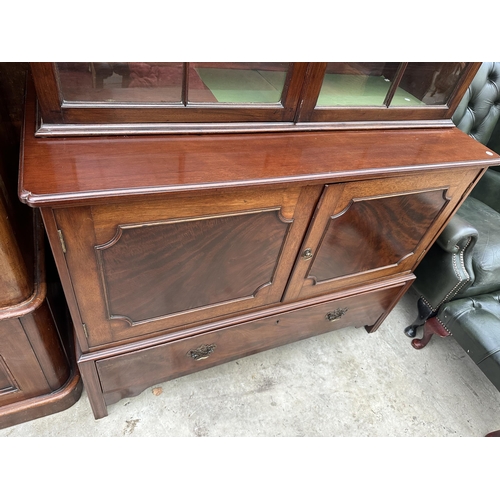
[(343, 383)]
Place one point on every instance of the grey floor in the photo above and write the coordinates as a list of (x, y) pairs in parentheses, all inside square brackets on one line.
[(345, 383)]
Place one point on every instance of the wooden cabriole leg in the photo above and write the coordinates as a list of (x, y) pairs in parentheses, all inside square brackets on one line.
[(431, 327)]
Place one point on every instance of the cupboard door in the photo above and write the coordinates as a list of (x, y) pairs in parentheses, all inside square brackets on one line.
[(141, 267), (21, 376), (364, 231)]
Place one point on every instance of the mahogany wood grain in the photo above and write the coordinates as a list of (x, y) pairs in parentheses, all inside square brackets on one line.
[(293, 89), (7, 383), (313, 82), (375, 232), (57, 108), (38, 374), (43, 405), (157, 269), (19, 365), (465, 80), (154, 129), (165, 336), (301, 90), (41, 330), (48, 92), (129, 374), (369, 229), (123, 295), (15, 279), (63, 272), (395, 81), (379, 114), (94, 389), (62, 171), (349, 114)]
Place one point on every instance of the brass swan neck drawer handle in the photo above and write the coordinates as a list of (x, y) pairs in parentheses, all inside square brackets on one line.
[(337, 314), (202, 352)]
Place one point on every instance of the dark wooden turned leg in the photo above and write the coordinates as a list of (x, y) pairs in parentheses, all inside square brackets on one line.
[(424, 312), (431, 327)]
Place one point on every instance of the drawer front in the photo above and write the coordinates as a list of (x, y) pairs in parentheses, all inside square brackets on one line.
[(128, 374)]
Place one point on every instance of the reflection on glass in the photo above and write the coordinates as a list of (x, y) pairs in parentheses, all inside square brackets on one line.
[(164, 82), (121, 82), (367, 84), (236, 82), (429, 83), (356, 84)]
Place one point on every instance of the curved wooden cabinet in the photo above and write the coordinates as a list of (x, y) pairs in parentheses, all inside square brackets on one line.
[(38, 374)]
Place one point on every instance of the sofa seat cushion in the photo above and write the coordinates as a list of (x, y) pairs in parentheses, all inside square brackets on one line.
[(474, 323), (486, 252)]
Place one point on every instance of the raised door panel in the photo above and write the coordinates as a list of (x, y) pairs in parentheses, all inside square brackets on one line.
[(141, 267), (7, 382), (21, 376), (233, 257), (364, 231)]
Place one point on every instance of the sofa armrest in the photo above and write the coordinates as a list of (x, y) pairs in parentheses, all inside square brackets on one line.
[(487, 189), (447, 269), (456, 235)]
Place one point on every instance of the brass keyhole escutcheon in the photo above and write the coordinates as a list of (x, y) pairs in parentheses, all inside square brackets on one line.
[(307, 254), (337, 314), (202, 352)]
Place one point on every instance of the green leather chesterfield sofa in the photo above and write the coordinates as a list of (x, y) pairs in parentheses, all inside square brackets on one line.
[(458, 282)]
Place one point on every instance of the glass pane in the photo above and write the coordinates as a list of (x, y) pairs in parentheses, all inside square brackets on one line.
[(236, 82), (121, 82), (356, 84), (428, 83)]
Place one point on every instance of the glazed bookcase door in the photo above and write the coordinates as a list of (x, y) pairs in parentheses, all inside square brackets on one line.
[(165, 97), (143, 267), (364, 231), (384, 91), (120, 93)]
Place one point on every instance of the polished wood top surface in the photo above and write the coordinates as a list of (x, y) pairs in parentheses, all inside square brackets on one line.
[(66, 171)]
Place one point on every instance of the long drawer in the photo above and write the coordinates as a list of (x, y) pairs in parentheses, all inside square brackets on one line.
[(129, 374)]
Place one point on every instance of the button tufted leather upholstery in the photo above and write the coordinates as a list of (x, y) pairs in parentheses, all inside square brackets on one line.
[(479, 110), (458, 281), (472, 321)]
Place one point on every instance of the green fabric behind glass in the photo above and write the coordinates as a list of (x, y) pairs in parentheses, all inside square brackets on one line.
[(361, 90), (252, 86), (240, 86)]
